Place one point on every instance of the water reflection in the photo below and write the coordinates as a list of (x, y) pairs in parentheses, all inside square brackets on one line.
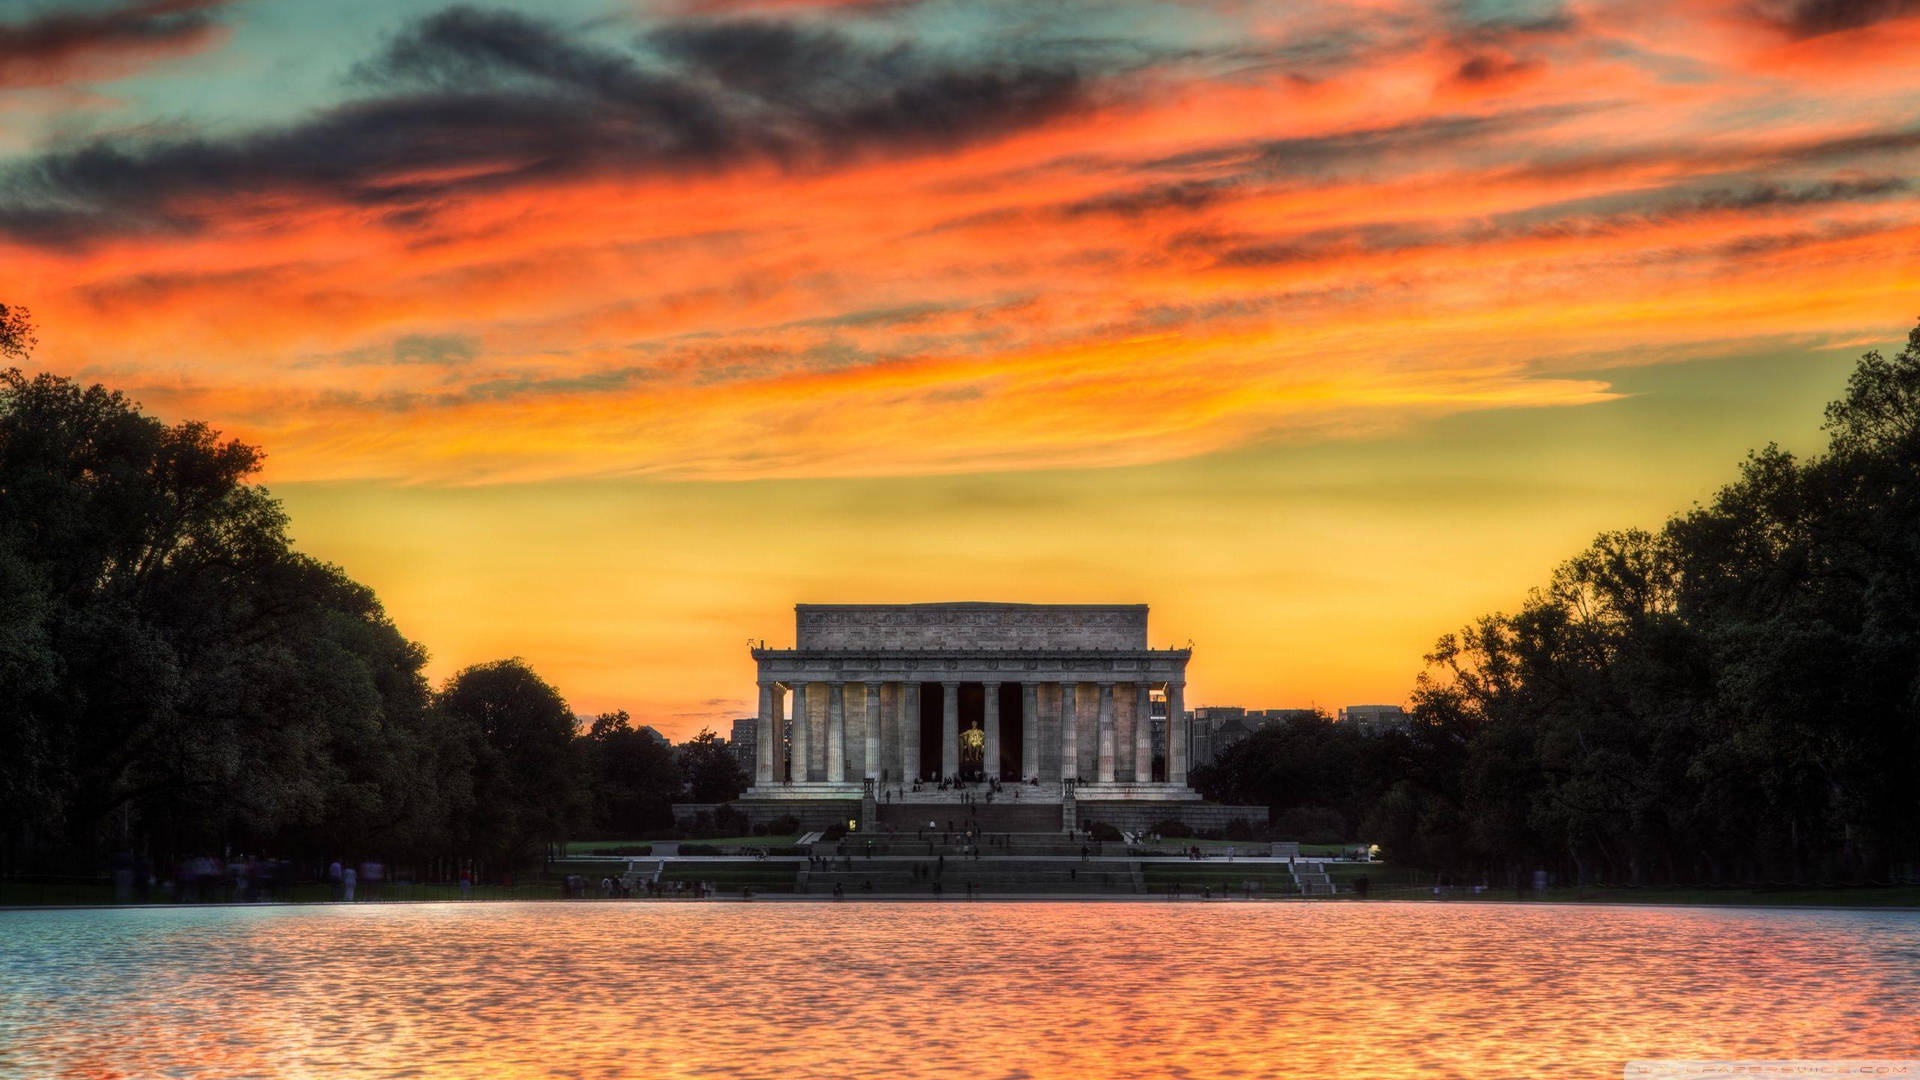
[(953, 991)]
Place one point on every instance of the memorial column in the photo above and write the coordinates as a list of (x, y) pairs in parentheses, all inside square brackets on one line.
[(1029, 730), (779, 733), (910, 731), (872, 761), (950, 729), (836, 732), (1105, 748), (1142, 733), (1069, 737), (802, 737), (1176, 733), (990, 717), (763, 737)]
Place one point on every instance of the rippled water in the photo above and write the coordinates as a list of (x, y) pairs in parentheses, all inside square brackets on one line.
[(955, 991)]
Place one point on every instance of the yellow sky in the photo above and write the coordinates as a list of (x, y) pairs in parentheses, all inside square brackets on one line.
[(1309, 573)]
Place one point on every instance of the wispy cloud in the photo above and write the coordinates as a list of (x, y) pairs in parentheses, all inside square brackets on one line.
[(61, 47)]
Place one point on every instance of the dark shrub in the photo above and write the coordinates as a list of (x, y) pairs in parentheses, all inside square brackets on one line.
[(1100, 830), (1311, 825), (834, 831), (1240, 829), (760, 829), (1172, 829), (785, 825), (730, 820)]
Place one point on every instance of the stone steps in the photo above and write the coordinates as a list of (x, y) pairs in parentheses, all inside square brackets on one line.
[(1312, 879), (641, 871), (996, 817)]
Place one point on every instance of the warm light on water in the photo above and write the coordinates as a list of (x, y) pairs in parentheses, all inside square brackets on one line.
[(954, 991)]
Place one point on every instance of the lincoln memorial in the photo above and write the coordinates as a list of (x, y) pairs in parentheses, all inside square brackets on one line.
[(1062, 701)]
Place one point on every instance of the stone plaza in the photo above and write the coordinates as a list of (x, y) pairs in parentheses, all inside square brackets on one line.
[(891, 705)]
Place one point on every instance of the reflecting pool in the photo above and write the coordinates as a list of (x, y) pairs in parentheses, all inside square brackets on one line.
[(957, 991)]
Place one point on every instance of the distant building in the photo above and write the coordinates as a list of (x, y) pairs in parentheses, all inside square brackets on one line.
[(741, 741), (649, 732), (1374, 719), (1216, 727)]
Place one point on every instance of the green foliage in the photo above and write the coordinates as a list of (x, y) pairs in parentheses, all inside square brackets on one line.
[(1735, 697), (1307, 824), (635, 779), (529, 786), (712, 772), (1304, 760), (732, 821), (16, 333), (1172, 829), (178, 678)]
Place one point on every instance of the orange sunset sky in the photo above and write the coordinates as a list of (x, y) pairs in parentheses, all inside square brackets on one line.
[(601, 333)]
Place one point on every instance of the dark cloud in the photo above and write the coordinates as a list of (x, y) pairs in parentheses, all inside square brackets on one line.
[(59, 46), (1598, 216), (823, 89), (1812, 18), (436, 349), (1310, 156), (468, 100), (1486, 67), (1185, 195)]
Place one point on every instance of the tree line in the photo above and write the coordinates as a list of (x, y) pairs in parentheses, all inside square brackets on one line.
[(1734, 697), (176, 679)]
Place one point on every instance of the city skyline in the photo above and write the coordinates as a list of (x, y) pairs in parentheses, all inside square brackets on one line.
[(601, 334)]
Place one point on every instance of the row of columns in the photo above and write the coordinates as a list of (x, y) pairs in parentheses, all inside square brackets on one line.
[(768, 763)]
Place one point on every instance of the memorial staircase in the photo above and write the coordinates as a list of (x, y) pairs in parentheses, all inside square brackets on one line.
[(1012, 816), (1312, 879), (641, 872)]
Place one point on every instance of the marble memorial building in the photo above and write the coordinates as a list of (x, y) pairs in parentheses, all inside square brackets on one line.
[(1068, 695)]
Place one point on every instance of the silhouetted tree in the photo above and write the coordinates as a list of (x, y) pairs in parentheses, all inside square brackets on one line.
[(712, 771), (636, 779), (16, 333), (529, 784), (1736, 697), (178, 678)]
